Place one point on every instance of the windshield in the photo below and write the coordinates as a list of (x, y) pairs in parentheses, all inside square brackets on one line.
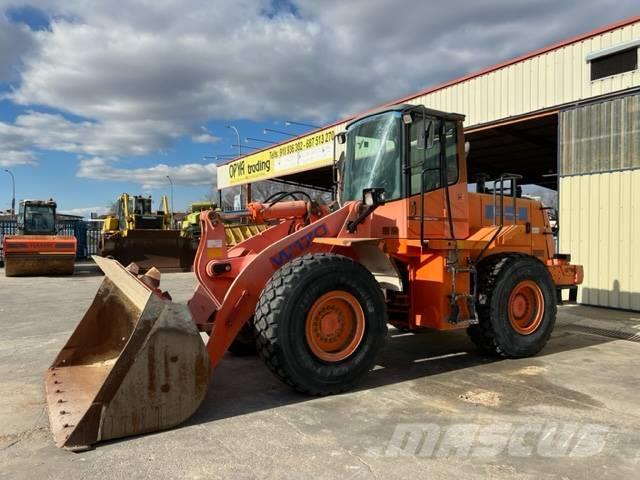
[(39, 219), (373, 157)]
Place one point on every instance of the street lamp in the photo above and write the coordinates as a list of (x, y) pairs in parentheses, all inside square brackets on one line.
[(251, 139), (278, 131), (239, 144), (13, 198), (219, 157), (246, 146), (171, 183), (291, 122)]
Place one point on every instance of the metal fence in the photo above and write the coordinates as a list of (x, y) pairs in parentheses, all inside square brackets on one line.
[(87, 232)]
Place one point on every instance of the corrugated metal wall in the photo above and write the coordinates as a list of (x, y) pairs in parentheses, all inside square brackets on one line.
[(600, 227), (600, 212), (601, 137)]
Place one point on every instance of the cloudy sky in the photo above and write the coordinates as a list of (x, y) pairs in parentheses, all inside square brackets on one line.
[(101, 97)]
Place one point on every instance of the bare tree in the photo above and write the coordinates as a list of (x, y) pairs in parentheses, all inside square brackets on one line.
[(260, 191), (112, 207)]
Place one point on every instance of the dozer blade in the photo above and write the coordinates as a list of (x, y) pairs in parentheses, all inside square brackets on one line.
[(134, 364), (164, 249)]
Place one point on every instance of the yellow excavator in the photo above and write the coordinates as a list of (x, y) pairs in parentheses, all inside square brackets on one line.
[(137, 234)]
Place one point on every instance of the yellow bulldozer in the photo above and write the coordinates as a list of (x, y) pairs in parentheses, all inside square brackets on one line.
[(135, 233)]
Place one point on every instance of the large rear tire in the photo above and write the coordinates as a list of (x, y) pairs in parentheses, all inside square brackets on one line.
[(320, 322), (516, 306), (244, 345)]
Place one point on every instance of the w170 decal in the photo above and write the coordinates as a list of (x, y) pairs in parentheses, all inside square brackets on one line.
[(298, 247)]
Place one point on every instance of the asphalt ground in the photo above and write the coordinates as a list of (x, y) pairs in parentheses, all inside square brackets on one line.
[(432, 408)]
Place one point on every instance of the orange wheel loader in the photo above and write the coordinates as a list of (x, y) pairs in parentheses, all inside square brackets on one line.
[(37, 249), (406, 243)]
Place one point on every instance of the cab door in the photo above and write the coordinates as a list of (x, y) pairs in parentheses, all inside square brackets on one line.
[(425, 182)]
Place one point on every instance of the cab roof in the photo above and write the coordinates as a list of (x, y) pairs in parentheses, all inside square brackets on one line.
[(49, 202), (401, 107)]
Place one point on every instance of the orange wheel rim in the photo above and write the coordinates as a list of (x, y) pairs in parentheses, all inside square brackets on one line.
[(334, 326), (526, 307)]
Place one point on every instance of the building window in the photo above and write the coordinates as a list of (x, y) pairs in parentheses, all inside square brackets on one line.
[(614, 63)]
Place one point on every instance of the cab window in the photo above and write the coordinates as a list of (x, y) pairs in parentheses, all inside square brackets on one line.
[(431, 158)]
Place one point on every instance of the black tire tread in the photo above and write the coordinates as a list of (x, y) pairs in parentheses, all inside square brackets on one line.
[(268, 311), (483, 334)]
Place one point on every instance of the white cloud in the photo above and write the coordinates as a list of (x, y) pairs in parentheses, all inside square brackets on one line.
[(205, 137), (85, 211), (10, 158), (15, 41), (189, 174), (144, 76), (48, 131), (187, 61)]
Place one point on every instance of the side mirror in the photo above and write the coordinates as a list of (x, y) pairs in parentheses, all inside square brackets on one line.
[(372, 197), (426, 133), (341, 138)]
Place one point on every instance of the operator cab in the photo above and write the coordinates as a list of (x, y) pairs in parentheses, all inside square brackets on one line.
[(410, 153), (37, 217), (398, 149), (141, 205)]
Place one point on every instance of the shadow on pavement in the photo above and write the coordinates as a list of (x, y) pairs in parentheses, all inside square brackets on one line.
[(242, 385)]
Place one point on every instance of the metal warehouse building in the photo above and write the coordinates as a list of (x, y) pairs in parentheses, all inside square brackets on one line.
[(566, 117)]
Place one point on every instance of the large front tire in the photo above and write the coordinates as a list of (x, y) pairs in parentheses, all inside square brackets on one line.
[(320, 322), (516, 308)]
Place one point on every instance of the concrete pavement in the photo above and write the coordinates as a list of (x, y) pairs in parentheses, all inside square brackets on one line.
[(432, 407)]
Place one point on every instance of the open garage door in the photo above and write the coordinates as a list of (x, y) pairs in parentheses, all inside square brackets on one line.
[(528, 147)]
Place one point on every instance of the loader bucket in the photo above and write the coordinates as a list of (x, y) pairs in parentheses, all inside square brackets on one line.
[(134, 364), (164, 249)]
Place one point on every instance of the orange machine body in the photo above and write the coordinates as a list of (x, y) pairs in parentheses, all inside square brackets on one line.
[(37, 249), (432, 262), (40, 245)]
